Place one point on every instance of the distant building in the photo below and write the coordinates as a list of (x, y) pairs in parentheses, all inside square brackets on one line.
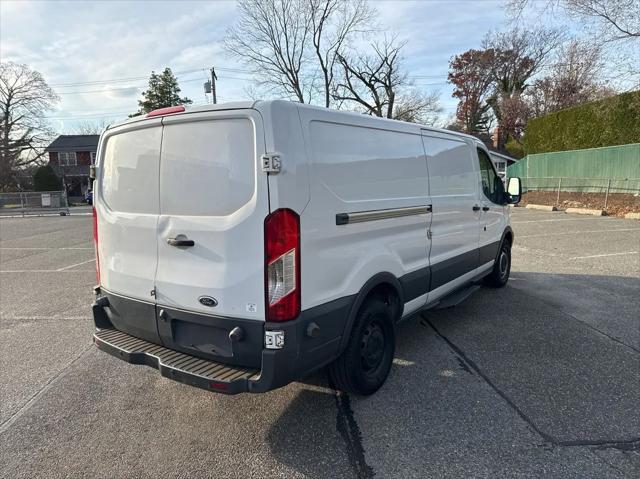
[(501, 158), (501, 161), (71, 156)]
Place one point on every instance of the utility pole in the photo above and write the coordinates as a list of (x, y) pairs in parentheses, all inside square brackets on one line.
[(213, 84)]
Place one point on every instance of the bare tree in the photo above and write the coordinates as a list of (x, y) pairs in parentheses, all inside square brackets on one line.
[(517, 56), (87, 127), (371, 80), (293, 45), (335, 22), (271, 36), (416, 106), (617, 19), (25, 97), (376, 85), (573, 79)]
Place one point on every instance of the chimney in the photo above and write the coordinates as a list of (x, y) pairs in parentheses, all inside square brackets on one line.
[(495, 137)]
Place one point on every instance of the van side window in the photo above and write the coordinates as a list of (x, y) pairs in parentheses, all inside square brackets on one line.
[(491, 182), (451, 169)]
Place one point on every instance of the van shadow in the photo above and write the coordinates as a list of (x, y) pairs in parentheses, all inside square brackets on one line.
[(306, 436), (524, 342)]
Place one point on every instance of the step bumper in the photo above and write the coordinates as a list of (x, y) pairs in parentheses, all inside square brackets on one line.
[(202, 373)]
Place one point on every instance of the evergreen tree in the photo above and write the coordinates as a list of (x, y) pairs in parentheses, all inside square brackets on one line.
[(163, 92), (45, 179)]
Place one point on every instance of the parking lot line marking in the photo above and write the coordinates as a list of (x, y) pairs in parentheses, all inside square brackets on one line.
[(44, 318), (44, 248), (48, 271), (48, 385), (77, 264), (603, 255), (578, 232), (561, 219)]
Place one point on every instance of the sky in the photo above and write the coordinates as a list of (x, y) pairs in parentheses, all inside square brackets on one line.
[(98, 55)]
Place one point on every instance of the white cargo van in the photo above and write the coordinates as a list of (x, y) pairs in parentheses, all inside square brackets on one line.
[(242, 246)]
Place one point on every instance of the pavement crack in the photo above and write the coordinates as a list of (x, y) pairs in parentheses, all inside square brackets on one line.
[(348, 428), (602, 444), (4, 426), (584, 323), (473, 366), (602, 460), (632, 444)]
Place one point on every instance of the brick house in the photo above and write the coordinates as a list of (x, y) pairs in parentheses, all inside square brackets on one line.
[(70, 156)]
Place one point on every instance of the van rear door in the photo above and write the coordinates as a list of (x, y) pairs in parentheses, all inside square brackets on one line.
[(127, 205), (213, 202)]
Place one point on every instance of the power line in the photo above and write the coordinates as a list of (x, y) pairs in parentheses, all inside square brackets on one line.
[(118, 80), (143, 77), (105, 90)]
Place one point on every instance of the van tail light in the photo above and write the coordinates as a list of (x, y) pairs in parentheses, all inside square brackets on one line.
[(166, 111), (282, 265), (95, 243)]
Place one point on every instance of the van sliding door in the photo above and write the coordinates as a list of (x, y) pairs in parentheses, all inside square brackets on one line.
[(453, 182)]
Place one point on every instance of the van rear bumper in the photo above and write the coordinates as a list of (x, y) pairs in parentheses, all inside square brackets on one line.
[(311, 341), (202, 373)]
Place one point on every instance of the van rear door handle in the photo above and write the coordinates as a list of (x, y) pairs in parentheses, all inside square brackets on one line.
[(485, 208), (476, 208), (180, 241)]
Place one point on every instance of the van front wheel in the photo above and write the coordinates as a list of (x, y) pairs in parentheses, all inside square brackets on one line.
[(501, 268), (365, 364)]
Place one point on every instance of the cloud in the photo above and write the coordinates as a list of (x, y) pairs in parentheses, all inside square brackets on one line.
[(72, 43)]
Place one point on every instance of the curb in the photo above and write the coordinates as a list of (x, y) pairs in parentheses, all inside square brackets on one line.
[(541, 207), (632, 216), (586, 211)]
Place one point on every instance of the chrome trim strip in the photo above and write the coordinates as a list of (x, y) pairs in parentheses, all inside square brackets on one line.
[(374, 215)]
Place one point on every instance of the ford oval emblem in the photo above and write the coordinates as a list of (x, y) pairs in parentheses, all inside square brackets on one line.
[(208, 301)]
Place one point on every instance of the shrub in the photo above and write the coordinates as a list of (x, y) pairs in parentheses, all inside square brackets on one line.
[(45, 179), (608, 122), (514, 148)]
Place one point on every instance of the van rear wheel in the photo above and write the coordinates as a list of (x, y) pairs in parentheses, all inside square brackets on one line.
[(365, 364), (501, 268)]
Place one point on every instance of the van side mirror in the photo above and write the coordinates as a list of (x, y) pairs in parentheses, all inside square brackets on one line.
[(514, 191)]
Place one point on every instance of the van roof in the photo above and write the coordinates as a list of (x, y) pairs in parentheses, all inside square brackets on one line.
[(241, 105)]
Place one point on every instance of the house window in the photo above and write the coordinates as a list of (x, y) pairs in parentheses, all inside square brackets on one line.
[(93, 157), (67, 158), (501, 168)]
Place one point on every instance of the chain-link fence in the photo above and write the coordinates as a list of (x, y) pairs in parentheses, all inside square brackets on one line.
[(598, 193), (33, 203)]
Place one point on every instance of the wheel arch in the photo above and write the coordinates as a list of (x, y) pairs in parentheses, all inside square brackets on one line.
[(382, 283), (507, 235)]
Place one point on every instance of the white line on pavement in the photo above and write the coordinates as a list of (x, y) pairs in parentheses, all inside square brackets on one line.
[(562, 219), (603, 255), (77, 264), (48, 271), (577, 232), (43, 249), (48, 385), (43, 318)]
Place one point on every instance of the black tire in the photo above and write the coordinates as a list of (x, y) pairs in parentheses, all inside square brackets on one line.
[(501, 268), (364, 365)]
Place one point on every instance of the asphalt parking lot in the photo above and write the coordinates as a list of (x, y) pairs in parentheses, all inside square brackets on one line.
[(539, 379)]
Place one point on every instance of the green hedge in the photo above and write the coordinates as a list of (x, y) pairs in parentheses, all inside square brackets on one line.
[(613, 121)]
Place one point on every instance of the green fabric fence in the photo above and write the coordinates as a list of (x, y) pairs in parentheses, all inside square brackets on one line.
[(614, 167)]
